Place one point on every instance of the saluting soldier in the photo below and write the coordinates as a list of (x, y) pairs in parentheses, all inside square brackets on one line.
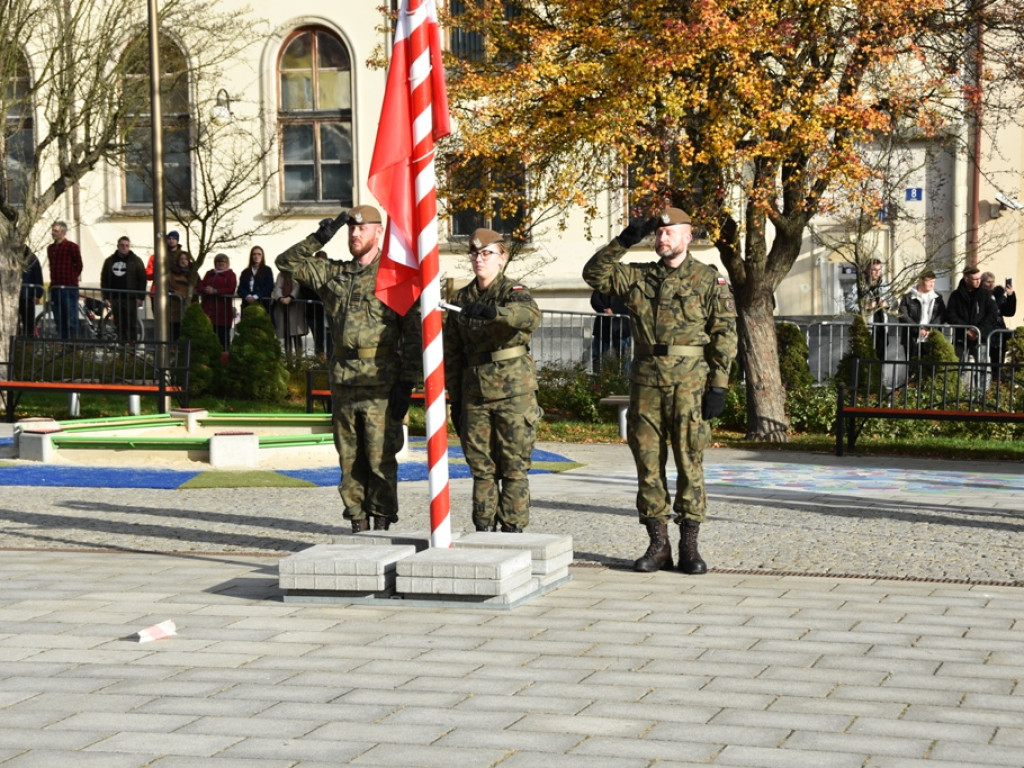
[(375, 363), (684, 335), (492, 385)]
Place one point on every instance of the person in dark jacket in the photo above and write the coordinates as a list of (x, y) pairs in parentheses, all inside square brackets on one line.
[(611, 333), (256, 283), (921, 306), (971, 305), (1006, 306), (123, 282), (31, 293)]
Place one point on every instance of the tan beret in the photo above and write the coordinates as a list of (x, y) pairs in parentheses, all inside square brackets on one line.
[(671, 216), (364, 214), (484, 237)]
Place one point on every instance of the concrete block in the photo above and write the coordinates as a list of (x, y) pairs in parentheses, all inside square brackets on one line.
[(36, 446), (342, 568), (488, 564), (549, 552), (191, 417), (437, 585), (234, 449)]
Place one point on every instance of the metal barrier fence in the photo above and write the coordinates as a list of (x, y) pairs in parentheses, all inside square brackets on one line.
[(564, 338)]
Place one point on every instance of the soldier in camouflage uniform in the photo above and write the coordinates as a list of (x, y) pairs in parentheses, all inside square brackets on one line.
[(684, 333), (376, 361), (492, 385)]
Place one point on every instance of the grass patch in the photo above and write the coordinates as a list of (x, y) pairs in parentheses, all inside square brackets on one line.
[(245, 479)]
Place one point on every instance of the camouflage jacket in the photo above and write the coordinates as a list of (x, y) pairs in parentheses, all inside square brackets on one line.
[(373, 345), (689, 306), (469, 343)]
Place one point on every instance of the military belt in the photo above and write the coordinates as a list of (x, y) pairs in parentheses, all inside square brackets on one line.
[(667, 350), (510, 353), (364, 353)]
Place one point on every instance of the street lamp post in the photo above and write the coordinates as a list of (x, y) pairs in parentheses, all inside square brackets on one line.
[(159, 242)]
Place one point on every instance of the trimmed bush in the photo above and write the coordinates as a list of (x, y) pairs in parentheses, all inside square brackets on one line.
[(256, 366), (793, 365), (206, 371)]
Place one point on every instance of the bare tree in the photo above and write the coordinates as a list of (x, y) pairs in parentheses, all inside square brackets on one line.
[(72, 94)]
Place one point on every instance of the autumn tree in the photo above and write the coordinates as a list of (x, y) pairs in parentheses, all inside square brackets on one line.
[(753, 116), (74, 94)]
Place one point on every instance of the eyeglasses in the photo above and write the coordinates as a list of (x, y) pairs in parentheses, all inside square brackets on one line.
[(483, 254)]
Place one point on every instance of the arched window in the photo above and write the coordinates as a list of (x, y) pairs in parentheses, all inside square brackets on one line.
[(177, 153), (315, 118), (17, 134)]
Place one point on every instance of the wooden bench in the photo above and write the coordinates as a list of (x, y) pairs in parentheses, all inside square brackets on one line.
[(621, 402), (159, 369), (929, 391), (318, 390)]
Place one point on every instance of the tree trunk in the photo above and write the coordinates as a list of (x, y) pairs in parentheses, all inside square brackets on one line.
[(766, 397)]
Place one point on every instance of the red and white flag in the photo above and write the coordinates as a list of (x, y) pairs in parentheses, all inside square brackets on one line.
[(402, 178)]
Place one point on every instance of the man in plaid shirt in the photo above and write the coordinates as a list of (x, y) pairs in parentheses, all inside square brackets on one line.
[(65, 271)]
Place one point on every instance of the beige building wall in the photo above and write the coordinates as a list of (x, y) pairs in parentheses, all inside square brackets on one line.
[(553, 264)]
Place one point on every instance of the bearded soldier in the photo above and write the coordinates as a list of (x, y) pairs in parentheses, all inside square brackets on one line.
[(684, 333), (376, 361)]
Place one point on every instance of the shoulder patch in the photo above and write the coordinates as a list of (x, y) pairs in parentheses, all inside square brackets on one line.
[(721, 280)]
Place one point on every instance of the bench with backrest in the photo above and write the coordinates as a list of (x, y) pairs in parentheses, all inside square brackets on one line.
[(79, 366), (931, 391), (318, 390)]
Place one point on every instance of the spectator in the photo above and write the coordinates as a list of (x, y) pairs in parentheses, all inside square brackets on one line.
[(174, 251), (289, 314), (922, 307), (65, 271), (256, 282), (180, 282), (316, 317), (973, 306), (31, 293), (217, 289), (123, 283), (1006, 306), (873, 298), (492, 383), (611, 335)]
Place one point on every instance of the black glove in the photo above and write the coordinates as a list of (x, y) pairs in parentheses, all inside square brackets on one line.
[(477, 309), (713, 403), (457, 417), (637, 230), (399, 399), (329, 227)]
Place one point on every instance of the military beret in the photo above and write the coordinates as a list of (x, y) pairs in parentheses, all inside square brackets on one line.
[(484, 237), (671, 216), (364, 214), (971, 271)]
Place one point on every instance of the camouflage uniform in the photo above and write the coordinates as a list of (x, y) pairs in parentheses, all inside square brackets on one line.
[(373, 349), (491, 375), (684, 334)]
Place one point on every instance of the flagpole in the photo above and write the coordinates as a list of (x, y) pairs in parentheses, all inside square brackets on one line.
[(402, 177), (421, 92)]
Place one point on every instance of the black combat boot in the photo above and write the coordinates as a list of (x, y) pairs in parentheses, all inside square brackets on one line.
[(360, 525), (508, 528), (490, 528), (659, 553), (690, 560), (381, 523)]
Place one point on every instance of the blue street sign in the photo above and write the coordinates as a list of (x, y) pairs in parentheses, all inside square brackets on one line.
[(915, 194)]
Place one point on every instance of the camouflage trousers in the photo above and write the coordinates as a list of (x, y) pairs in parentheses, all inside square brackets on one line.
[(497, 440), (659, 417), (367, 439)]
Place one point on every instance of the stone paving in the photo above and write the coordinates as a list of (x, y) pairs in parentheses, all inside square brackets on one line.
[(860, 612)]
